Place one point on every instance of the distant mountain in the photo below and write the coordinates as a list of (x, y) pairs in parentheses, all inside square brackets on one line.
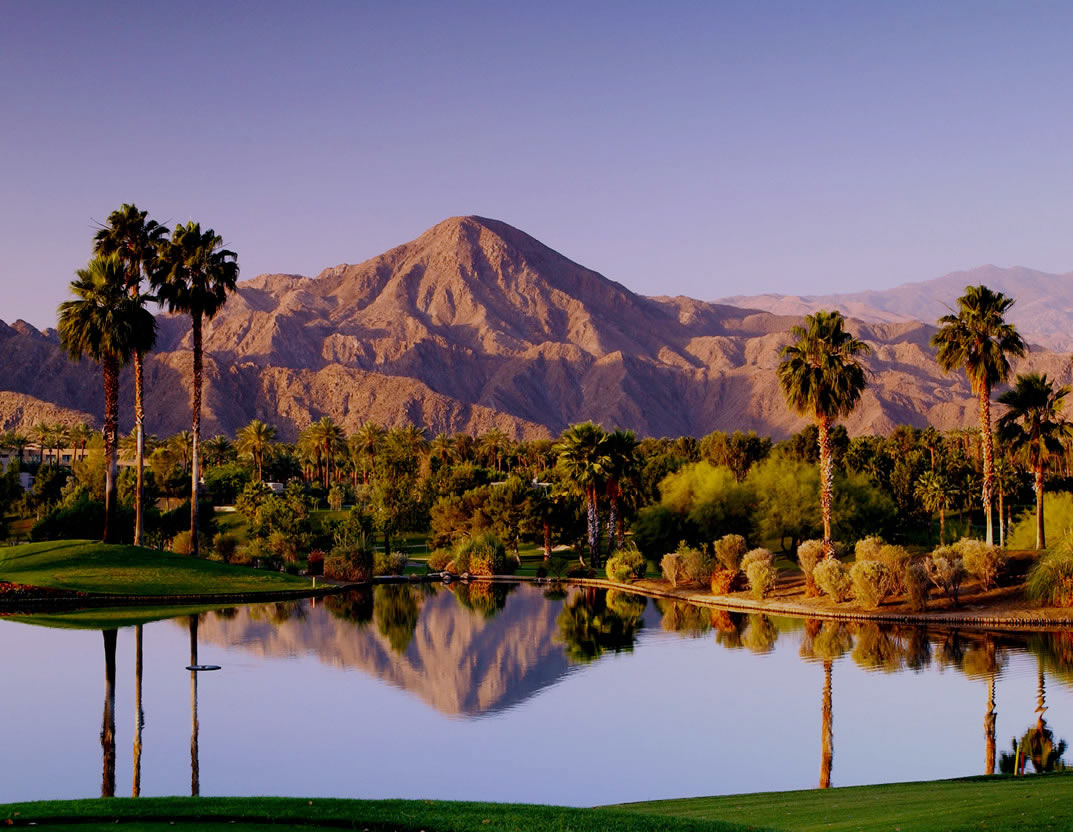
[(1043, 311), (476, 324)]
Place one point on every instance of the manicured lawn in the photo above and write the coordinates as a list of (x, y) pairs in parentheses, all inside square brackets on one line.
[(94, 567), (1015, 803), (234, 814)]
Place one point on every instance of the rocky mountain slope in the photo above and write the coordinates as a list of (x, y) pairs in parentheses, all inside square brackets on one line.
[(475, 324)]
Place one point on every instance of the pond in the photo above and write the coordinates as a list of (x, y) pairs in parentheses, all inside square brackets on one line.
[(513, 693)]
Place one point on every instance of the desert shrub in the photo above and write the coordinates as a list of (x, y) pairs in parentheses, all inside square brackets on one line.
[(696, 564), (867, 548), (482, 554), (831, 578), (557, 566), (982, 561), (762, 576), (224, 545), (871, 581), (283, 546), (946, 571), (894, 558), (181, 544), (315, 562), (389, 564), (352, 562), (915, 580), (1050, 580), (728, 551), (580, 570), (723, 581), (627, 564), (672, 568), (756, 556), (810, 553), (438, 560)]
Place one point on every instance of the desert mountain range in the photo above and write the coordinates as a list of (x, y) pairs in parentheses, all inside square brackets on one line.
[(476, 324)]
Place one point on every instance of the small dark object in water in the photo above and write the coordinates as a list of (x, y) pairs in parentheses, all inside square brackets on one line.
[(199, 667)]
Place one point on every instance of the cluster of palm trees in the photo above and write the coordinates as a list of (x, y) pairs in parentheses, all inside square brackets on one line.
[(136, 261), (822, 376)]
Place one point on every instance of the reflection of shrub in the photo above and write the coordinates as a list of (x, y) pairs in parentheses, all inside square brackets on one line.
[(385, 564), (810, 553), (723, 581), (832, 579), (870, 582), (728, 551), (483, 597), (1050, 580), (626, 604), (439, 559), (355, 606), (982, 561), (946, 571), (627, 564), (396, 610), (915, 579), (685, 618), (760, 636), (762, 577), (672, 567)]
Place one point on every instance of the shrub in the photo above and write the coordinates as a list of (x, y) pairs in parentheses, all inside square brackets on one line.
[(1050, 580), (915, 579), (867, 548), (389, 564), (182, 543), (723, 581), (580, 570), (351, 562), (438, 560), (983, 562), (894, 558), (672, 568), (696, 564), (810, 553), (946, 571), (831, 578), (483, 554), (728, 551), (283, 546), (626, 564), (756, 556), (224, 545), (762, 576), (315, 562), (871, 581)]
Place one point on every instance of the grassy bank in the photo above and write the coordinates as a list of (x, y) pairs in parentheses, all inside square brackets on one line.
[(86, 566), (1015, 803)]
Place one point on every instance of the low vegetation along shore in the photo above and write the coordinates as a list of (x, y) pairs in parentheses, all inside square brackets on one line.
[(1024, 803)]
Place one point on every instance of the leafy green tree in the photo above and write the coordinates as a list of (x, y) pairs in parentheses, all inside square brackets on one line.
[(936, 494), (1034, 428), (979, 341), (256, 439), (508, 502), (621, 449), (108, 325), (583, 465), (194, 276), (822, 377)]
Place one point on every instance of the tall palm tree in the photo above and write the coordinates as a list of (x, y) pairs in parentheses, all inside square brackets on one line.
[(442, 448), (1007, 482), (366, 443), (979, 341), (40, 433), (493, 445), (217, 449), (180, 446), (80, 435), (822, 377), (136, 241), (18, 443), (108, 325), (583, 463), (255, 439), (1034, 428), (329, 438), (621, 446), (936, 494), (194, 276)]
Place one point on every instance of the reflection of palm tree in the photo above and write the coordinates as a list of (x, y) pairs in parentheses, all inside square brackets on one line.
[(139, 714), (1037, 745), (108, 722), (827, 643), (986, 661), (195, 771), (827, 753), (989, 726)]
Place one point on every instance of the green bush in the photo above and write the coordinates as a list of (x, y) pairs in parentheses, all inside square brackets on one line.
[(351, 562), (224, 545), (809, 553), (831, 578), (867, 548), (389, 564), (728, 551), (627, 564), (946, 571), (1057, 520), (672, 568), (983, 562), (756, 556), (871, 580), (762, 576), (696, 564), (1050, 580), (915, 579), (482, 554), (439, 559)]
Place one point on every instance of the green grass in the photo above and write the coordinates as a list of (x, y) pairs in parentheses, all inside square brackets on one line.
[(1014, 803), (130, 570), (234, 814)]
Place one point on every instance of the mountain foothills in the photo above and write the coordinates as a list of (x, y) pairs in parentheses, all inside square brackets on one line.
[(476, 325)]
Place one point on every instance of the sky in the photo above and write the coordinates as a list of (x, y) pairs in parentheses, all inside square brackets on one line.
[(705, 149)]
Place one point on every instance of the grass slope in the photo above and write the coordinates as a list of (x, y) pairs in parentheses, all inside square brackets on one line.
[(1006, 803), (235, 814), (130, 570)]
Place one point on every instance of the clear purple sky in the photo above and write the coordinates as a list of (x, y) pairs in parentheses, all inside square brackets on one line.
[(699, 148)]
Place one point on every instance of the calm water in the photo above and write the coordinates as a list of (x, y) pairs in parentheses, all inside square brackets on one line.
[(582, 699)]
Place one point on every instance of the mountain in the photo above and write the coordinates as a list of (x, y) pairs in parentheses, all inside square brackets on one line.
[(476, 324), (1043, 311)]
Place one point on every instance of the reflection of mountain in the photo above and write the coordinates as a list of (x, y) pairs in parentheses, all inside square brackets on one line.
[(458, 661)]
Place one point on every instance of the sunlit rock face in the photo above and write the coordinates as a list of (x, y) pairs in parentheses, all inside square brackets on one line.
[(476, 325)]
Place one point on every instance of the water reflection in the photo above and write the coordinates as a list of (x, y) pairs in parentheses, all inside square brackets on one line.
[(195, 767), (108, 721), (139, 713), (593, 622)]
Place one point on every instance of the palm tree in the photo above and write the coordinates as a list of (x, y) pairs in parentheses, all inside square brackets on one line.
[(80, 435), (328, 437), (978, 340), (18, 443), (1034, 428), (584, 463), (40, 433), (136, 241), (936, 494), (443, 448), (1007, 482), (255, 439), (180, 445), (822, 377), (217, 449), (108, 325), (621, 446), (492, 446), (195, 276), (366, 443)]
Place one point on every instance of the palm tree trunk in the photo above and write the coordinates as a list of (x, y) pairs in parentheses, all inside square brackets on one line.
[(139, 714), (989, 727), (827, 479), (1041, 535), (942, 525), (593, 519), (196, 430), (195, 767), (827, 753), (988, 445), (110, 367), (108, 722), (547, 541), (612, 521), (139, 423), (1001, 517)]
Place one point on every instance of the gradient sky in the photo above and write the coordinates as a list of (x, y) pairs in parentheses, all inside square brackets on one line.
[(699, 148)]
